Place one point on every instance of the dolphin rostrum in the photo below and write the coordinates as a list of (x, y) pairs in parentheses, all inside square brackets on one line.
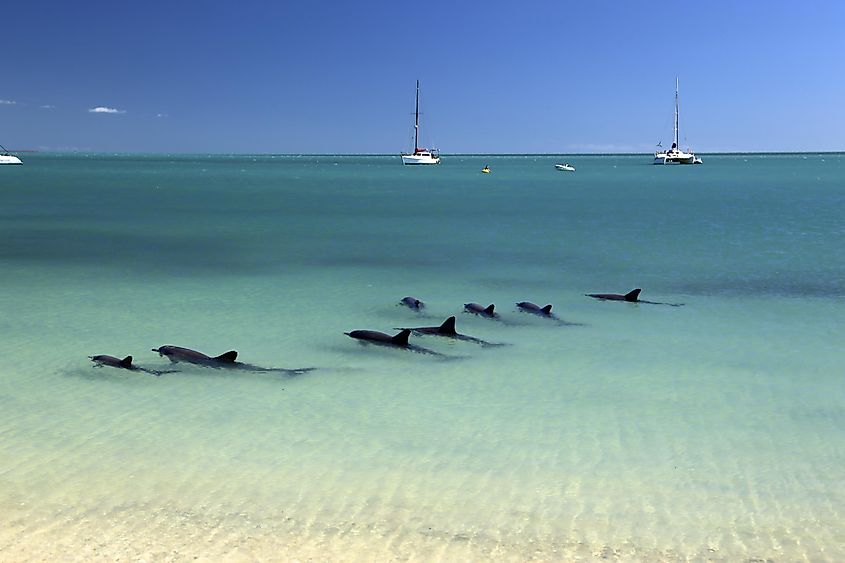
[(632, 296), (227, 360), (475, 308), (381, 339), (412, 303), (126, 363)]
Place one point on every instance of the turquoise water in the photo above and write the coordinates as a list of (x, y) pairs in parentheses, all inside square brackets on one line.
[(712, 431)]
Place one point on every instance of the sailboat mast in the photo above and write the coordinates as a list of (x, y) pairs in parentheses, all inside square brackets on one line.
[(677, 138), (417, 120)]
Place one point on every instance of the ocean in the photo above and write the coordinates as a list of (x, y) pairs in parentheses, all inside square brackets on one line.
[(711, 431)]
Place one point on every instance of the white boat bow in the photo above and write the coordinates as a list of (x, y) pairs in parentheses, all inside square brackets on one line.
[(8, 158)]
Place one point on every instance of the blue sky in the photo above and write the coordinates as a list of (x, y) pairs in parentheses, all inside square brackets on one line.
[(338, 77)]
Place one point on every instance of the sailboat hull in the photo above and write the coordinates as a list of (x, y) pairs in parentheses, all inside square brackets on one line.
[(9, 159), (422, 158)]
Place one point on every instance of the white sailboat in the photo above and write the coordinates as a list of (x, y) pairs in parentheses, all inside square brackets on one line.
[(420, 156), (7, 158), (675, 155)]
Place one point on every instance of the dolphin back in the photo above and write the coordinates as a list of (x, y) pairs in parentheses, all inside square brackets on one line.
[(227, 358), (633, 295), (401, 339), (448, 326), (126, 362), (370, 336), (412, 302)]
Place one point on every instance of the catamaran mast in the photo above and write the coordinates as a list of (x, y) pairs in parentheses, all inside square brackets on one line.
[(417, 120), (677, 138)]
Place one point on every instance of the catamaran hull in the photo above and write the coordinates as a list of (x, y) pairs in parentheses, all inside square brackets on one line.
[(676, 159), (420, 159), (9, 159)]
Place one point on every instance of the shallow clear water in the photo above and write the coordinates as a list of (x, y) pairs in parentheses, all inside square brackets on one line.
[(711, 431)]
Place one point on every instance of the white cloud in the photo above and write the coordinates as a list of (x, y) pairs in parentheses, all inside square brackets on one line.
[(161, 115), (47, 106), (8, 102), (103, 109)]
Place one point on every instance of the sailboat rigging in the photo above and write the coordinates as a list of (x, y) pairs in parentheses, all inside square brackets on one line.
[(420, 155), (675, 155)]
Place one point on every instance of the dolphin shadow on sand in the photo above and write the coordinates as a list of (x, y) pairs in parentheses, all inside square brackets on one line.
[(398, 341), (447, 330), (632, 296), (126, 363), (224, 361)]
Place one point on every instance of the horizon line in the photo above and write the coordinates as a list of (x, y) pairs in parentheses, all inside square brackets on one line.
[(715, 153)]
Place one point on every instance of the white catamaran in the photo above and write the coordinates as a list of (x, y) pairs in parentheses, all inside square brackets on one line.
[(7, 158), (420, 156), (675, 155)]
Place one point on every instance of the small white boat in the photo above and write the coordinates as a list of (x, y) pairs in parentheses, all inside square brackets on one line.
[(420, 155), (6, 158), (567, 167), (675, 155)]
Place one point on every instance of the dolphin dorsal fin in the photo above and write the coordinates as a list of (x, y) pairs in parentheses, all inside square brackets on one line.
[(126, 362), (401, 339), (633, 295), (229, 357), (448, 326), (547, 309), (489, 310)]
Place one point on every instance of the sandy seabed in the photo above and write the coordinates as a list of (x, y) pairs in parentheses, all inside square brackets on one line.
[(144, 533)]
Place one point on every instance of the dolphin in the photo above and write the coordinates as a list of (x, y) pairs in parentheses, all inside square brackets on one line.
[(178, 354), (412, 303), (227, 360), (381, 339), (529, 307), (477, 309), (447, 329), (126, 363), (632, 296)]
